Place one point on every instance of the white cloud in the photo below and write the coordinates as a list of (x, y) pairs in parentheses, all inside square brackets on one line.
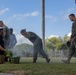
[(21, 39), (21, 17), (53, 36), (3, 11), (69, 34), (53, 18), (35, 13)]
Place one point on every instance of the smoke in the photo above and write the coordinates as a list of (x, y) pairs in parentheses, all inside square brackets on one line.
[(21, 39), (23, 50)]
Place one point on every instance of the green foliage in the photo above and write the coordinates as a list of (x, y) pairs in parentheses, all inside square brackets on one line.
[(56, 43), (8, 53), (65, 38)]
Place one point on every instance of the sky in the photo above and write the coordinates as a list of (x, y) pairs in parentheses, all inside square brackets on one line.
[(27, 14)]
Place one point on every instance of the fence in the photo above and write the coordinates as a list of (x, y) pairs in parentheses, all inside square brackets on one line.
[(58, 53)]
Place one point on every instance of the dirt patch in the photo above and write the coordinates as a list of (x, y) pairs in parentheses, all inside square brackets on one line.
[(21, 72)]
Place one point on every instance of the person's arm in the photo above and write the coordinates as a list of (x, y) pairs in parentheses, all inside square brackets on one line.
[(15, 40), (1, 48), (73, 29)]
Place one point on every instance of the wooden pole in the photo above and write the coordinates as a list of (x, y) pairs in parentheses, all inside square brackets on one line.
[(75, 1), (43, 23)]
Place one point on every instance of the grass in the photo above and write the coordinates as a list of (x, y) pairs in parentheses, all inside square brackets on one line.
[(55, 67)]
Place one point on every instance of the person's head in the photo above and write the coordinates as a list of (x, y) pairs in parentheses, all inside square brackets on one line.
[(72, 17), (1, 31), (1, 23), (23, 32), (11, 30)]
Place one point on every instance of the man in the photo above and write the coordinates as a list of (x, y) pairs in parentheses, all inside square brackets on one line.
[(2, 48), (72, 39), (13, 40), (37, 42), (5, 34)]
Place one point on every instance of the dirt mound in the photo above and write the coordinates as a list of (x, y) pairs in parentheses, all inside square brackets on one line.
[(21, 72)]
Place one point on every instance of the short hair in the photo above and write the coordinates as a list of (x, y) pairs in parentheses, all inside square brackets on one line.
[(23, 30), (72, 15), (1, 21), (11, 29)]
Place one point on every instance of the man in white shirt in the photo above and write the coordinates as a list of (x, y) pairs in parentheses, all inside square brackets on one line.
[(13, 39)]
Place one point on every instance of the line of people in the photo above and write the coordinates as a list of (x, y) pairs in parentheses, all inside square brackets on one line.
[(7, 41), (36, 40), (10, 41)]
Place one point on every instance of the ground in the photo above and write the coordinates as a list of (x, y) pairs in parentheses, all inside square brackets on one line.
[(26, 67)]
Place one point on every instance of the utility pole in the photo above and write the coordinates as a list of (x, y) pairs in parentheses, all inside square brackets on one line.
[(43, 23), (75, 1)]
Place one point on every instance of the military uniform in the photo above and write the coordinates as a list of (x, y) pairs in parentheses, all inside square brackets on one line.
[(2, 53), (37, 45), (73, 41), (6, 36), (72, 49)]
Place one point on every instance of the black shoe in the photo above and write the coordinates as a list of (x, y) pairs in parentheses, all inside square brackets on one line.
[(6, 59), (66, 61), (48, 60), (34, 61)]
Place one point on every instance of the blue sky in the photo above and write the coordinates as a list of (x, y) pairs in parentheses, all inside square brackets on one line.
[(20, 14)]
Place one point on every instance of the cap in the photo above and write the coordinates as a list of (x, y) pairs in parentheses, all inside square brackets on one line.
[(23, 30)]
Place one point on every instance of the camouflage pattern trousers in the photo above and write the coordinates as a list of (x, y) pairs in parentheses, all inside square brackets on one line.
[(72, 49), (38, 48)]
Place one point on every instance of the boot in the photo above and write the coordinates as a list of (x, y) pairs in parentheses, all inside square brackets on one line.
[(48, 60), (34, 60), (67, 61), (6, 59)]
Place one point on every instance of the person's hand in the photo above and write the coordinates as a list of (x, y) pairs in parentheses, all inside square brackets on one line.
[(68, 43), (5, 49)]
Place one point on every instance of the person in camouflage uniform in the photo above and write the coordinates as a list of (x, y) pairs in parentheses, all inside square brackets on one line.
[(37, 44), (72, 40), (5, 37), (5, 34)]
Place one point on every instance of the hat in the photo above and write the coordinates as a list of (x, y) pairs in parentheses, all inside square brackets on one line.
[(23, 30), (1, 28)]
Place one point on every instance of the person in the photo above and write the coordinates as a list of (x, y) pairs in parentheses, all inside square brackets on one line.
[(2, 48), (5, 34), (72, 40), (37, 44), (13, 40)]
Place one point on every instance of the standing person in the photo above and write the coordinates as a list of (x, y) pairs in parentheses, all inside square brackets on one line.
[(72, 39), (13, 40), (5, 34), (2, 48), (37, 42)]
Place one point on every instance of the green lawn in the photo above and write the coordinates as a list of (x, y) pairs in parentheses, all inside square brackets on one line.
[(55, 67)]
